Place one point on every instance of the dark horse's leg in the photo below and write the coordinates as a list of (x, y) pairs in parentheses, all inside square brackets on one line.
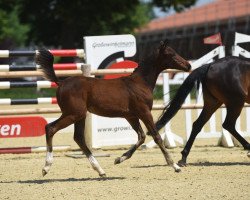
[(149, 123), (210, 106), (134, 122), (51, 129), (80, 140), (233, 112)]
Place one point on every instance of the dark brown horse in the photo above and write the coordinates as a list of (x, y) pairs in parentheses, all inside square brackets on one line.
[(226, 81), (128, 97)]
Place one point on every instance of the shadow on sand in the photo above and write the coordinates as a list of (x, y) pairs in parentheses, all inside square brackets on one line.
[(203, 164), (222, 164), (42, 181)]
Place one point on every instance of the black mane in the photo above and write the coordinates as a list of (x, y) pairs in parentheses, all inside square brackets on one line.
[(146, 64)]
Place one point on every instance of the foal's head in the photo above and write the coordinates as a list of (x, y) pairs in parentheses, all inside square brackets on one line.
[(168, 59)]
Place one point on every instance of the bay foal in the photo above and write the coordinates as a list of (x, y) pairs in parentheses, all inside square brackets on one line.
[(128, 97)]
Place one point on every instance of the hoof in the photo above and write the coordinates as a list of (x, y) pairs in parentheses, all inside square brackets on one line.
[(248, 154), (44, 172), (117, 161), (176, 168), (120, 159), (182, 163), (247, 147), (103, 175)]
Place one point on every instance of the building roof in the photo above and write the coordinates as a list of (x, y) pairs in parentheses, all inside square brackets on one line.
[(218, 10)]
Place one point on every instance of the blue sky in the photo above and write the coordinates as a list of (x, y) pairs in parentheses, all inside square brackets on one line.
[(159, 13)]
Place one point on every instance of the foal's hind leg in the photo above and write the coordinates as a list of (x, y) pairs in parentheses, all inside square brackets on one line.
[(233, 112), (134, 122), (149, 123), (51, 129), (80, 140)]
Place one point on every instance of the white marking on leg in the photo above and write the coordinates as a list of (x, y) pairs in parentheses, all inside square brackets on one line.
[(176, 167), (123, 158), (49, 157), (48, 162), (96, 165)]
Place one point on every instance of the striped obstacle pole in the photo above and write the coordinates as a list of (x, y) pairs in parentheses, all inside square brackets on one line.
[(59, 66), (62, 53), (25, 84), (63, 73), (21, 127), (6, 112), (42, 100), (22, 150)]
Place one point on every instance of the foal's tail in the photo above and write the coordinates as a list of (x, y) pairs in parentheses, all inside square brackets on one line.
[(175, 104), (45, 59)]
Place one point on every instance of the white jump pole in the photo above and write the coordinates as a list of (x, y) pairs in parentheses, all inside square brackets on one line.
[(226, 139), (169, 139), (237, 51)]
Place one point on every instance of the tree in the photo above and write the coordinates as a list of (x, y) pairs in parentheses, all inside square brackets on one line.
[(12, 32), (63, 23)]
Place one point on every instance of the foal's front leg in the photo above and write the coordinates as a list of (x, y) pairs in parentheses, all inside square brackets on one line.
[(134, 122)]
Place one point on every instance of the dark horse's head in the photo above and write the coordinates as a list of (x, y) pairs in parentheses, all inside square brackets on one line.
[(169, 59)]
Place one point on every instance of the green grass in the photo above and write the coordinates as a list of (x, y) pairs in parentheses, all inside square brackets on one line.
[(30, 93), (27, 93), (158, 91)]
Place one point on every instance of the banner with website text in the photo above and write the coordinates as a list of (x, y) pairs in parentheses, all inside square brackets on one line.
[(102, 52)]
